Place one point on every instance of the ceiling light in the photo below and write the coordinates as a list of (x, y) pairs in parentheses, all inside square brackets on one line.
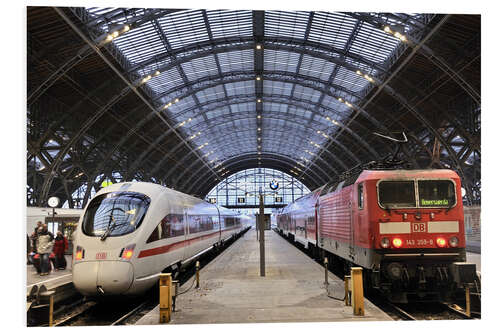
[(258, 116), (258, 46), (115, 34), (258, 78), (157, 73), (109, 38), (126, 28), (387, 29)]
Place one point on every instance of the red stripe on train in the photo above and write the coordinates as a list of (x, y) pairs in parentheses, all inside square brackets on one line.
[(170, 247)]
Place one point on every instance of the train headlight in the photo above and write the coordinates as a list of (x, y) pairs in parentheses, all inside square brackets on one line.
[(127, 252), (453, 241), (385, 243), (441, 242), (397, 242), (80, 253)]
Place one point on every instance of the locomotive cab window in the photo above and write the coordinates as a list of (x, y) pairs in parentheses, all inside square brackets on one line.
[(115, 214), (397, 194), (360, 196), (436, 193)]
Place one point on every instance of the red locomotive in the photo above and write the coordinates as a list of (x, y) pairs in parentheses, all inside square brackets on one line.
[(404, 227)]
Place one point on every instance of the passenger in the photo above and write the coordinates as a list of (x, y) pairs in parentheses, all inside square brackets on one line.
[(45, 242), (60, 247), (34, 236), (28, 249)]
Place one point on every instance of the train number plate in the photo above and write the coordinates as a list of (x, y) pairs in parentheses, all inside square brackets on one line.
[(419, 227), (100, 255)]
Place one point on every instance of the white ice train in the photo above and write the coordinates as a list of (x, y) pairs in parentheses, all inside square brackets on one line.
[(131, 232)]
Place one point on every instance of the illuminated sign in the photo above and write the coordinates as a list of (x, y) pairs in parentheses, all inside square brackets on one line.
[(241, 200), (442, 202), (278, 199), (274, 185), (212, 200)]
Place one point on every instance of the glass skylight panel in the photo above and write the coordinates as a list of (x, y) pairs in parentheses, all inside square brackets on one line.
[(350, 80), (275, 107), (184, 28), (280, 61), (316, 67), (277, 88), (243, 107), (200, 67), (140, 44), (373, 43), (210, 94), (332, 29), (183, 105), (230, 23), (240, 87), (236, 61), (166, 81), (285, 24), (306, 93)]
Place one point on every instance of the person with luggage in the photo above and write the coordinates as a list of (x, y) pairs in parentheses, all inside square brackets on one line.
[(60, 247), (34, 236), (44, 246)]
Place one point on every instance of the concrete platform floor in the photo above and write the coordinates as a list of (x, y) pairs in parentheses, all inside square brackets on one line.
[(475, 258), (232, 291), (54, 279)]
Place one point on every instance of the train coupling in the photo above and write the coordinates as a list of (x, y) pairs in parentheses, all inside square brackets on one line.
[(421, 276)]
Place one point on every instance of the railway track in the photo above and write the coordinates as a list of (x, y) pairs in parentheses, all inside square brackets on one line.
[(410, 311), (117, 312)]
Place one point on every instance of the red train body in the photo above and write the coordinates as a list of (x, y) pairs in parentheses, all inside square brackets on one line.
[(405, 227)]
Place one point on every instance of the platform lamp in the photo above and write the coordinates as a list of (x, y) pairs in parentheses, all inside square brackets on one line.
[(53, 202)]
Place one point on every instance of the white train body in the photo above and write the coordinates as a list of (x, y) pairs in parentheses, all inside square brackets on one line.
[(130, 232)]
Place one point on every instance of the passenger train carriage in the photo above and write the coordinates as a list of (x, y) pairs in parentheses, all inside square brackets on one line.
[(131, 232), (405, 227)]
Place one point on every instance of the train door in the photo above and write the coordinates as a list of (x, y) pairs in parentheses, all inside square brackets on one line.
[(185, 253), (360, 214), (316, 222), (351, 225)]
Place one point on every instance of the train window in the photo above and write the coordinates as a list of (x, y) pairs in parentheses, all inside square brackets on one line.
[(394, 194), (171, 225), (360, 196), (155, 235), (436, 193), (115, 214)]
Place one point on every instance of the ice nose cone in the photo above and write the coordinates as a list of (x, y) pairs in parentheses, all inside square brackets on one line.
[(103, 278)]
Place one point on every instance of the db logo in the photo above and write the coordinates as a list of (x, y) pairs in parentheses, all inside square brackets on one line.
[(100, 255), (419, 227)]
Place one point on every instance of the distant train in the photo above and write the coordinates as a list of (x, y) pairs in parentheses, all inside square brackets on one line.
[(404, 227), (131, 232)]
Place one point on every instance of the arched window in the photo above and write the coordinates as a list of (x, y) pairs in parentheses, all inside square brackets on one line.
[(242, 188)]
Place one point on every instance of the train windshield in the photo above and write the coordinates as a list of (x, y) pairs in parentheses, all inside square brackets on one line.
[(436, 193), (394, 194), (115, 214)]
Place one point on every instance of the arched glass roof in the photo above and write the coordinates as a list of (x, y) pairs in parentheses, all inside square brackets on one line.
[(239, 82), (186, 98)]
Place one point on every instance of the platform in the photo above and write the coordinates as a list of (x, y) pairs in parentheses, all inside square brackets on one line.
[(52, 281), (474, 258), (232, 291)]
